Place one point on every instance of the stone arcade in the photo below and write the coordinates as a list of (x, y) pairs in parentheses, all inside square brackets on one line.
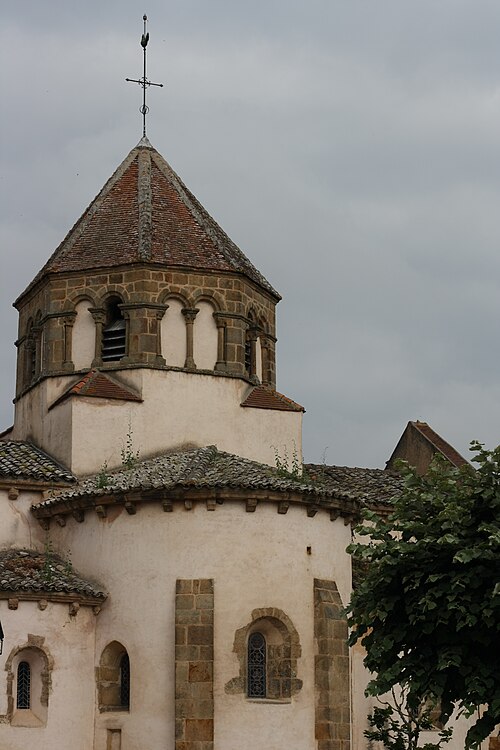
[(162, 583)]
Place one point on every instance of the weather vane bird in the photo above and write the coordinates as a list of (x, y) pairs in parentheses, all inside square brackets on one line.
[(143, 82)]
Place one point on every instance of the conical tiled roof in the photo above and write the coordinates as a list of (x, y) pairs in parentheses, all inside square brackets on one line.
[(145, 213)]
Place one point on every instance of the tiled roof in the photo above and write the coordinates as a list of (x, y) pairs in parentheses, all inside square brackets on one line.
[(263, 397), (145, 213), (203, 468), (208, 468), (22, 460), (438, 442), (29, 571), (98, 385), (370, 486)]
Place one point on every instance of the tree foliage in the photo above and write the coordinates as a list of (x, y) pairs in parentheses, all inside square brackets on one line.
[(400, 728), (428, 609)]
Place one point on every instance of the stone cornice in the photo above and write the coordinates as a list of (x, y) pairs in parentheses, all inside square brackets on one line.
[(185, 498)]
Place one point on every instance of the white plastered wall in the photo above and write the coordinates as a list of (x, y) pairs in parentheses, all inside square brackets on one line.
[(179, 409), (83, 337), (70, 642), (256, 560), (18, 528), (173, 334), (205, 338)]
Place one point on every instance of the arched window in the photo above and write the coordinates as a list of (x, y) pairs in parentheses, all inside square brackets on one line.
[(256, 666), (125, 681), (23, 692), (267, 649), (113, 678), (114, 334)]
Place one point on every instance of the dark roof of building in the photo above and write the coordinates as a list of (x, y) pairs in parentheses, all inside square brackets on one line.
[(263, 397), (29, 571), (96, 384), (371, 486), (145, 214), (208, 468), (22, 460), (446, 450)]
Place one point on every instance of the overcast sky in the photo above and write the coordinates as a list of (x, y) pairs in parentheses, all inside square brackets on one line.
[(351, 148)]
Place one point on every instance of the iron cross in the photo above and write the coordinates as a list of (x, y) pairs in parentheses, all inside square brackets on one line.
[(144, 81)]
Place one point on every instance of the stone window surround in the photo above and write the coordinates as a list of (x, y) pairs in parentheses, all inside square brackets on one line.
[(41, 664), (283, 650), (108, 678)]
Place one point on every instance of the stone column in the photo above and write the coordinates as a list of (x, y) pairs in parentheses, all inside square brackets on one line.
[(99, 317), (331, 669), (69, 322), (252, 337), (221, 342), (264, 349), (160, 359), (194, 664), (189, 315)]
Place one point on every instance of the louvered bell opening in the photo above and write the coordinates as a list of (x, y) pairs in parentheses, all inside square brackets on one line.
[(114, 341)]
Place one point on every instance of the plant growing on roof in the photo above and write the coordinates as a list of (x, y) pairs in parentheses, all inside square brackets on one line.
[(128, 454)]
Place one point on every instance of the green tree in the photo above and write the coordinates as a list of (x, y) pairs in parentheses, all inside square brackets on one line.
[(399, 728), (428, 609)]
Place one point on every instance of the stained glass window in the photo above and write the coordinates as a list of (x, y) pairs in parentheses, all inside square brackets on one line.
[(23, 685), (125, 681), (256, 666)]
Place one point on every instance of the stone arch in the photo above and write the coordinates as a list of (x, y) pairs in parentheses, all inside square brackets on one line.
[(113, 290), (41, 663), (213, 298), (77, 297), (168, 294), (113, 678), (283, 651)]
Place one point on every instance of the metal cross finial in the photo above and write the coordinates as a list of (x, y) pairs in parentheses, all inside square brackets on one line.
[(144, 81)]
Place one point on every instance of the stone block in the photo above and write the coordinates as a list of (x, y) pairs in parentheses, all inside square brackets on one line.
[(199, 729), (180, 635), (184, 601), (188, 653), (200, 635), (188, 617), (204, 601), (200, 671)]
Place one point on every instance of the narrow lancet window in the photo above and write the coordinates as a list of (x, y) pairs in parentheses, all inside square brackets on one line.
[(256, 666), (23, 685), (125, 681)]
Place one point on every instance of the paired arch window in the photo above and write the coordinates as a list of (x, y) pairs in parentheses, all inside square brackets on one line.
[(23, 687)]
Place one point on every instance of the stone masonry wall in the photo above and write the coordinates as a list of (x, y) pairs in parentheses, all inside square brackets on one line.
[(194, 664), (145, 291), (331, 669)]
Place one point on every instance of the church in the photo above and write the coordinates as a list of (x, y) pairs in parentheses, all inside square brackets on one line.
[(171, 576)]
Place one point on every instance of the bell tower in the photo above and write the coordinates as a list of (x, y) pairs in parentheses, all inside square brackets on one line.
[(148, 290)]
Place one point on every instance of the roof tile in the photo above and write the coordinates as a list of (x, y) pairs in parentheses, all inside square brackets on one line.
[(22, 460), (263, 397), (30, 571), (148, 215)]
